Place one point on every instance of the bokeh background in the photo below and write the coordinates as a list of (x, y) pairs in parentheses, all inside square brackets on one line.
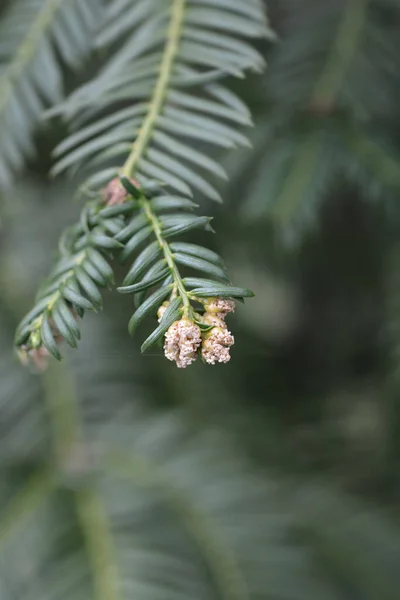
[(278, 474)]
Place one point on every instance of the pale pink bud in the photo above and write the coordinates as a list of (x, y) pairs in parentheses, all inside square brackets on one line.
[(35, 357), (219, 306), (182, 341), (216, 346), (115, 193), (216, 321), (162, 309)]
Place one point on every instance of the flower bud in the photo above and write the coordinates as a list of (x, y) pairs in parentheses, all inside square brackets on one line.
[(162, 309), (216, 346), (210, 319), (38, 358), (219, 306), (182, 341), (115, 193)]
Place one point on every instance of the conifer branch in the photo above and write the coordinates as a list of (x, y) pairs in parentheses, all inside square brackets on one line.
[(159, 71), (73, 286), (178, 285), (160, 90)]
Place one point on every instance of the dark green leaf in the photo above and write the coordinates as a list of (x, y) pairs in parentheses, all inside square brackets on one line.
[(47, 337), (144, 284), (113, 226), (100, 263), (222, 292), (171, 203), (195, 223), (220, 19), (196, 132), (198, 251), (89, 287), (119, 209), (176, 218), (94, 273), (172, 314), (103, 241), (192, 282), (130, 188), (84, 219), (166, 177), (171, 310), (187, 152), (143, 262), (154, 270), (22, 334), (152, 302), (200, 264), (68, 317), (186, 118), (184, 174), (63, 327), (213, 108), (77, 299), (135, 242), (135, 225)]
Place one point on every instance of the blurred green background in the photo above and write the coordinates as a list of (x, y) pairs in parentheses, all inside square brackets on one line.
[(308, 408)]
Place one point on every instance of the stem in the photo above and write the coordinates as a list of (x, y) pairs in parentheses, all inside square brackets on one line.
[(142, 141), (169, 257), (25, 503), (96, 530), (63, 409), (156, 104)]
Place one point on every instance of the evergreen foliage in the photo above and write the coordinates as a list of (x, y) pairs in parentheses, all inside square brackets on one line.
[(332, 95), (152, 92), (121, 477), (36, 35)]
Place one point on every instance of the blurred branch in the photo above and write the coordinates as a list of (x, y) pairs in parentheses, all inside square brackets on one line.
[(344, 47), (353, 540), (220, 560), (23, 506), (96, 530)]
